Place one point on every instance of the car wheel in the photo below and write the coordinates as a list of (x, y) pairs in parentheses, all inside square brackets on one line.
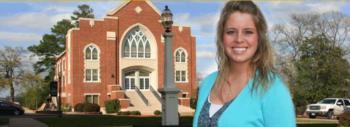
[(330, 114), (17, 112), (312, 116)]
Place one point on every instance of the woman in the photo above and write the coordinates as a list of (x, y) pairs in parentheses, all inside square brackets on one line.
[(246, 91)]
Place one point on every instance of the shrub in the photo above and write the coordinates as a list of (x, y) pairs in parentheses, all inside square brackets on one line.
[(157, 112), (193, 102), (88, 107), (66, 108), (79, 107), (112, 106), (124, 113), (135, 113)]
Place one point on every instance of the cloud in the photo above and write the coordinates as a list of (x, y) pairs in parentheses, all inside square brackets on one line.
[(208, 69), (33, 20), (206, 55), (279, 12), (203, 25), (19, 37), (206, 46), (322, 7)]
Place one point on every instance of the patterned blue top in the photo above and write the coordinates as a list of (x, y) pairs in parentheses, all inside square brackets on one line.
[(274, 108), (205, 120)]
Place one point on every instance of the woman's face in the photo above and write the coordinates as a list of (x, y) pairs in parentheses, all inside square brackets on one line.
[(240, 37)]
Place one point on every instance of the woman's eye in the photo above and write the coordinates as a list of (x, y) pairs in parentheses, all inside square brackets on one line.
[(249, 32), (230, 32)]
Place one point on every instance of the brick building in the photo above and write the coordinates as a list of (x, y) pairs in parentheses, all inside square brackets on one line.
[(121, 57)]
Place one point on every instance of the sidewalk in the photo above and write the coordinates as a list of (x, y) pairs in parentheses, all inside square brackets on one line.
[(25, 122)]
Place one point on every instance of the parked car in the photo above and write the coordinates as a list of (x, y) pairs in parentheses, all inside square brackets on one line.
[(329, 107), (9, 108)]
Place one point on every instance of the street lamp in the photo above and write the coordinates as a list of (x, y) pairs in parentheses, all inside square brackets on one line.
[(169, 91), (167, 19)]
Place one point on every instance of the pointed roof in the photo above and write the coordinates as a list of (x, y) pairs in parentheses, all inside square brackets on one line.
[(129, 1)]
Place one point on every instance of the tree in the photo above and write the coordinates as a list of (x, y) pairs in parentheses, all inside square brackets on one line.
[(49, 47), (54, 43), (293, 41), (321, 71), (288, 37), (35, 90), (10, 68), (83, 11)]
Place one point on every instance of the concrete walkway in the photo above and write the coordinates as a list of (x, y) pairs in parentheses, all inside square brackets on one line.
[(25, 122)]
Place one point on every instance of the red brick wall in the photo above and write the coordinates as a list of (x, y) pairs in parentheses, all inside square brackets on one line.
[(109, 50)]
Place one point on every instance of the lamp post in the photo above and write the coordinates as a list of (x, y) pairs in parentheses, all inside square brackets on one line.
[(59, 94), (169, 91)]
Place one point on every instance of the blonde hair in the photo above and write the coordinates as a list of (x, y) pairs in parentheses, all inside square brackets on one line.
[(262, 61)]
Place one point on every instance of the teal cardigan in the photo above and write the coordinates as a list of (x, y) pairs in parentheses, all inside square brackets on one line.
[(274, 108)]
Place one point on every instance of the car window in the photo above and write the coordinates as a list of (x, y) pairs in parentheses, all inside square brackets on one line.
[(327, 101), (341, 102), (4, 105), (347, 103)]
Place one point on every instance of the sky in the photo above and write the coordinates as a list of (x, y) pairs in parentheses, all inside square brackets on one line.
[(23, 23)]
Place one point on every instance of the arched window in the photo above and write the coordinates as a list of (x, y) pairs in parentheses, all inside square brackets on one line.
[(140, 47), (177, 56), (91, 53), (94, 54), (180, 55), (133, 49), (141, 50), (92, 64), (87, 53), (126, 50), (183, 57), (148, 50), (181, 66)]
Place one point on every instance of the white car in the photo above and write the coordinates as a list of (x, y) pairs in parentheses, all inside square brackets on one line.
[(328, 107)]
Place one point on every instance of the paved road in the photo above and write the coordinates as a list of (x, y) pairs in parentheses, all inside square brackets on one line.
[(25, 122)]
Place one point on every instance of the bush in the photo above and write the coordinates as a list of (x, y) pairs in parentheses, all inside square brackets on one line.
[(88, 107), (193, 102), (129, 113), (112, 106), (79, 107), (124, 113), (66, 108), (157, 112), (135, 113)]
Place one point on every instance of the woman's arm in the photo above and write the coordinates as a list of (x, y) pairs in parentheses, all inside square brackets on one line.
[(277, 106)]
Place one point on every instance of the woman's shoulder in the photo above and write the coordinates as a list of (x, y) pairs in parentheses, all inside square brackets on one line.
[(211, 75), (277, 86), (209, 79), (277, 80)]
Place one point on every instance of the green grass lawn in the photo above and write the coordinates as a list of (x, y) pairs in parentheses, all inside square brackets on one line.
[(303, 122), (106, 121), (109, 121)]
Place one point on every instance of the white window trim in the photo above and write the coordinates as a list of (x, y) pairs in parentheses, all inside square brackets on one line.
[(186, 78), (180, 50), (98, 52), (93, 94), (88, 61), (144, 43), (92, 81)]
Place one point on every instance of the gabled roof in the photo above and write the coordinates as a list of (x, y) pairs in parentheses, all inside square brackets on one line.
[(128, 1)]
